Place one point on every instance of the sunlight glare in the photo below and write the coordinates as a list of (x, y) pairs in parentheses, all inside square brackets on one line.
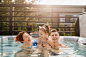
[(28, 1), (63, 2), (60, 2)]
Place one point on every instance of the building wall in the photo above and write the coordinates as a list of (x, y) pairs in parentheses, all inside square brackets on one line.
[(64, 11), (82, 25)]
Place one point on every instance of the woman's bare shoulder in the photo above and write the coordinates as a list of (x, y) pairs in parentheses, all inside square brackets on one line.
[(22, 47)]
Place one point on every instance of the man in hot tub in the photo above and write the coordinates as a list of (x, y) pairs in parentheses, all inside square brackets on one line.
[(54, 38)]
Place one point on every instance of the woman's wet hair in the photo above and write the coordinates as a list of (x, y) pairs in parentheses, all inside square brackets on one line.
[(45, 28), (19, 37)]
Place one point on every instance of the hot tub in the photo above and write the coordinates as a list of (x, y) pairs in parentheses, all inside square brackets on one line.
[(75, 46)]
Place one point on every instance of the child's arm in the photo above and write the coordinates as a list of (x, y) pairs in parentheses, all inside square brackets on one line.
[(39, 43)]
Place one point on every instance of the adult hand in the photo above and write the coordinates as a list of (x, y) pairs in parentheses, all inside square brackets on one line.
[(63, 46)]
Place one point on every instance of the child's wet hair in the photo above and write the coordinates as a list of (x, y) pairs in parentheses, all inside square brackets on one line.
[(45, 28)]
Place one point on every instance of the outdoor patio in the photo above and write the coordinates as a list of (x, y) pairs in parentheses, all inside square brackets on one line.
[(21, 17), (17, 16)]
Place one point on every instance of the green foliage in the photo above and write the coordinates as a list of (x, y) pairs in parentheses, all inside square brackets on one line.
[(33, 27), (15, 28), (19, 28), (68, 34), (45, 12), (72, 34), (24, 28), (72, 29), (24, 23), (4, 13), (61, 29), (5, 8), (5, 28), (5, 23), (73, 24), (61, 25), (62, 33)]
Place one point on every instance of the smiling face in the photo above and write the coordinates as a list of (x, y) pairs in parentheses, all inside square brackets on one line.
[(42, 34), (26, 38), (55, 36)]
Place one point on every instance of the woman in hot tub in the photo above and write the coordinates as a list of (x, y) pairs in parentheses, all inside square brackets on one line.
[(24, 38)]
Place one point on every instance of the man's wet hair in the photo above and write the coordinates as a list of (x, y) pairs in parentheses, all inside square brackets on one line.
[(54, 30)]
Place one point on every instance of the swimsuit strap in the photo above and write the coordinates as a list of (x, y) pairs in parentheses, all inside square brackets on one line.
[(41, 42), (30, 46), (48, 43)]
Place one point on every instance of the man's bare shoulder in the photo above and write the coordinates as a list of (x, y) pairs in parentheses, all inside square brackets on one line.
[(49, 41)]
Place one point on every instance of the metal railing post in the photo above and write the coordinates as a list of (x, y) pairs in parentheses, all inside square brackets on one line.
[(11, 8)]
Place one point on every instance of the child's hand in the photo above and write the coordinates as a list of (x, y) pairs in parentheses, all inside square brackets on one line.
[(39, 46)]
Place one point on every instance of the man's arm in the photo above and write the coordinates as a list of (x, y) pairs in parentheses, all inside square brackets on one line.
[(63, 46)]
